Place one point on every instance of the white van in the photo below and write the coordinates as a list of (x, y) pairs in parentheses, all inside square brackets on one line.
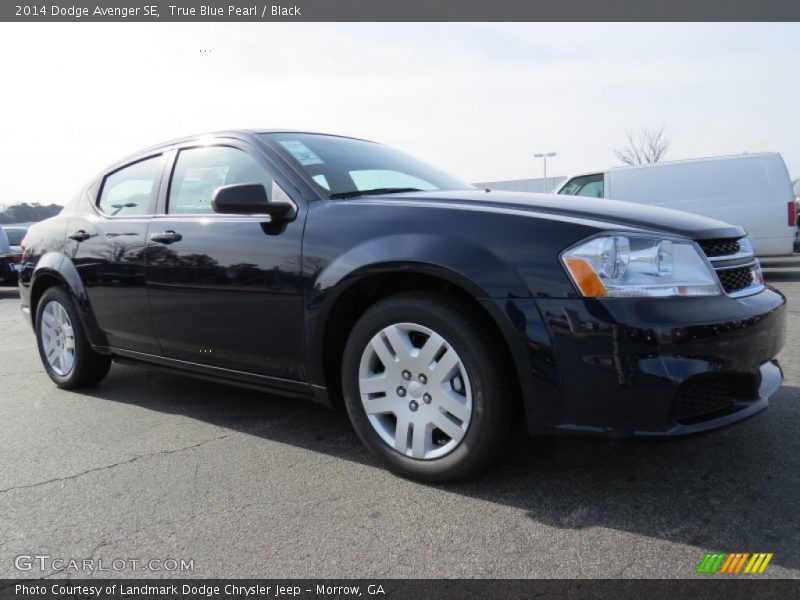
[(753, 191)]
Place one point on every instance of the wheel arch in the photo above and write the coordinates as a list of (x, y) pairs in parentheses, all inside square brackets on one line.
[(370, 285), (56, 269)]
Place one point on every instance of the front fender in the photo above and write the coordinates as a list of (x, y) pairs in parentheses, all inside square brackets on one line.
[(455, 260), (464, 262)]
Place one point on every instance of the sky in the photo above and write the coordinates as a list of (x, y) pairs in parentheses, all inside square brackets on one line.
[(477, 100)]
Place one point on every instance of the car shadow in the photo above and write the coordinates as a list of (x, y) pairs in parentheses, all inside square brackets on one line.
[(735, 490)]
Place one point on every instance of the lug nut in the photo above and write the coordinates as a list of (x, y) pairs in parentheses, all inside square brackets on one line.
[(426, 398), (413, 405), (422, 378), (406, 375), (401, 391)]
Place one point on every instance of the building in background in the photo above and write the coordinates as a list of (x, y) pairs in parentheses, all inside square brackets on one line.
[(539, 185)]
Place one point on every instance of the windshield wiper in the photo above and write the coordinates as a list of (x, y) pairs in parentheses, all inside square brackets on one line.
[(354, 193)]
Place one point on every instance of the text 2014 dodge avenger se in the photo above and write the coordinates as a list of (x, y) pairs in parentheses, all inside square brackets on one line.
[(340, 269)]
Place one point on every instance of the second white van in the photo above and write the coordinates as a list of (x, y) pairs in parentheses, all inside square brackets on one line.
[(753, 191)]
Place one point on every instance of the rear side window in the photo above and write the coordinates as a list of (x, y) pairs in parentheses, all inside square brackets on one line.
[(130, 190), (588, 185), (200, 171), (15, 236)]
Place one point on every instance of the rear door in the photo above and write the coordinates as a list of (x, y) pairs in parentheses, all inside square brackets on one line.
[(225, 290), (106, 242)]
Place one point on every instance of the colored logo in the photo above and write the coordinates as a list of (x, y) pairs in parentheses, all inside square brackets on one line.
[(736, 563)]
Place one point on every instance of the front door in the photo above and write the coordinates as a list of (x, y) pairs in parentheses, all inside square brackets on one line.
[(225, 290)]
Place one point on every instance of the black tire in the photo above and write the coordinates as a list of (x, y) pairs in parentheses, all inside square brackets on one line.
[(89, 367), (478, 345)]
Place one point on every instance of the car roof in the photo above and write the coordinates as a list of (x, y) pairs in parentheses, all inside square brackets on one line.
[(236, 133), (666, 163), (243, 134), (694, 160)]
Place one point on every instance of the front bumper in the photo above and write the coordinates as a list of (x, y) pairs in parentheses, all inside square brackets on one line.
[(648, 367)]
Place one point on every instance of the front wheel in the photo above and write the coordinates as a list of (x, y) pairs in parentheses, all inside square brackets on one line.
[(425, 387), (67, 357)]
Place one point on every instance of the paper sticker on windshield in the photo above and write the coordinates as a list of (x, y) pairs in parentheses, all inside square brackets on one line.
[(206, 174), (301, 152)]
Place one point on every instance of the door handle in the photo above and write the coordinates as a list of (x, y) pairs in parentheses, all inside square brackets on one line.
[(167, 237), (79, 236)]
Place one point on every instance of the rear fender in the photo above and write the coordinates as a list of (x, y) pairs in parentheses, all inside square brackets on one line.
[(56, 265)]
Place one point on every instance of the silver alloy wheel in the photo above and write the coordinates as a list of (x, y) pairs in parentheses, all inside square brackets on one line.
[(415, 391), (58, 338)]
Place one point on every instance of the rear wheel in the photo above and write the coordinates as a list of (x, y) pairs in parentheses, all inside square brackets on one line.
[(65, 352), (425, 388)]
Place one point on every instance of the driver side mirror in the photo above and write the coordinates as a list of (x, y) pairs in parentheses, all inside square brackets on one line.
[(250, 199)]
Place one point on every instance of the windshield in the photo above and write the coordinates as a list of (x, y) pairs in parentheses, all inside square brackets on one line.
[(343, 167), (15, 236)]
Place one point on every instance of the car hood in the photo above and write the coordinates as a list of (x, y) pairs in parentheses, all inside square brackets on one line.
[(606, 213)]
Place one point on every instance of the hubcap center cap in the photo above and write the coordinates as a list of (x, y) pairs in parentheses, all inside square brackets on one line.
[(415, 389)]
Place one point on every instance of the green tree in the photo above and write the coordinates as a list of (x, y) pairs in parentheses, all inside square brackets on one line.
[(25, 213)]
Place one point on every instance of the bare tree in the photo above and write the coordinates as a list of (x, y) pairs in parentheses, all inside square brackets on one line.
[(644, 147)]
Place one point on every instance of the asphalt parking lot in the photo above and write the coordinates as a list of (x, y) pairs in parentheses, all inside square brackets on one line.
[(151, 465)]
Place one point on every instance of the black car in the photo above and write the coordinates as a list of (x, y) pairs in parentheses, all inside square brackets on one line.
[(440, 315), (9, 261)]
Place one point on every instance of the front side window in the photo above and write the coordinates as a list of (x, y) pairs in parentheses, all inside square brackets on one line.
[(342, 167), (129, 191), (588, 185), (200, 171)]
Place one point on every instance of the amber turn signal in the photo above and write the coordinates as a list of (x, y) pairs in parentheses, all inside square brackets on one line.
[(585, 278)]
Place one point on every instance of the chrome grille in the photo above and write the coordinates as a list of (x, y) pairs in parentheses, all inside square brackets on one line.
[(714, 248), (735, 264)]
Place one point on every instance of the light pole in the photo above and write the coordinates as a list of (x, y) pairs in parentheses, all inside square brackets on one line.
[(545, 156)]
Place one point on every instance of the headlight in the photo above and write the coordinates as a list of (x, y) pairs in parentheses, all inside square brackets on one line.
[(633, 266)]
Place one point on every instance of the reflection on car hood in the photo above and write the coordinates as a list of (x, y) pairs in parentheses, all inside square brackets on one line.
[(607, 212)]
